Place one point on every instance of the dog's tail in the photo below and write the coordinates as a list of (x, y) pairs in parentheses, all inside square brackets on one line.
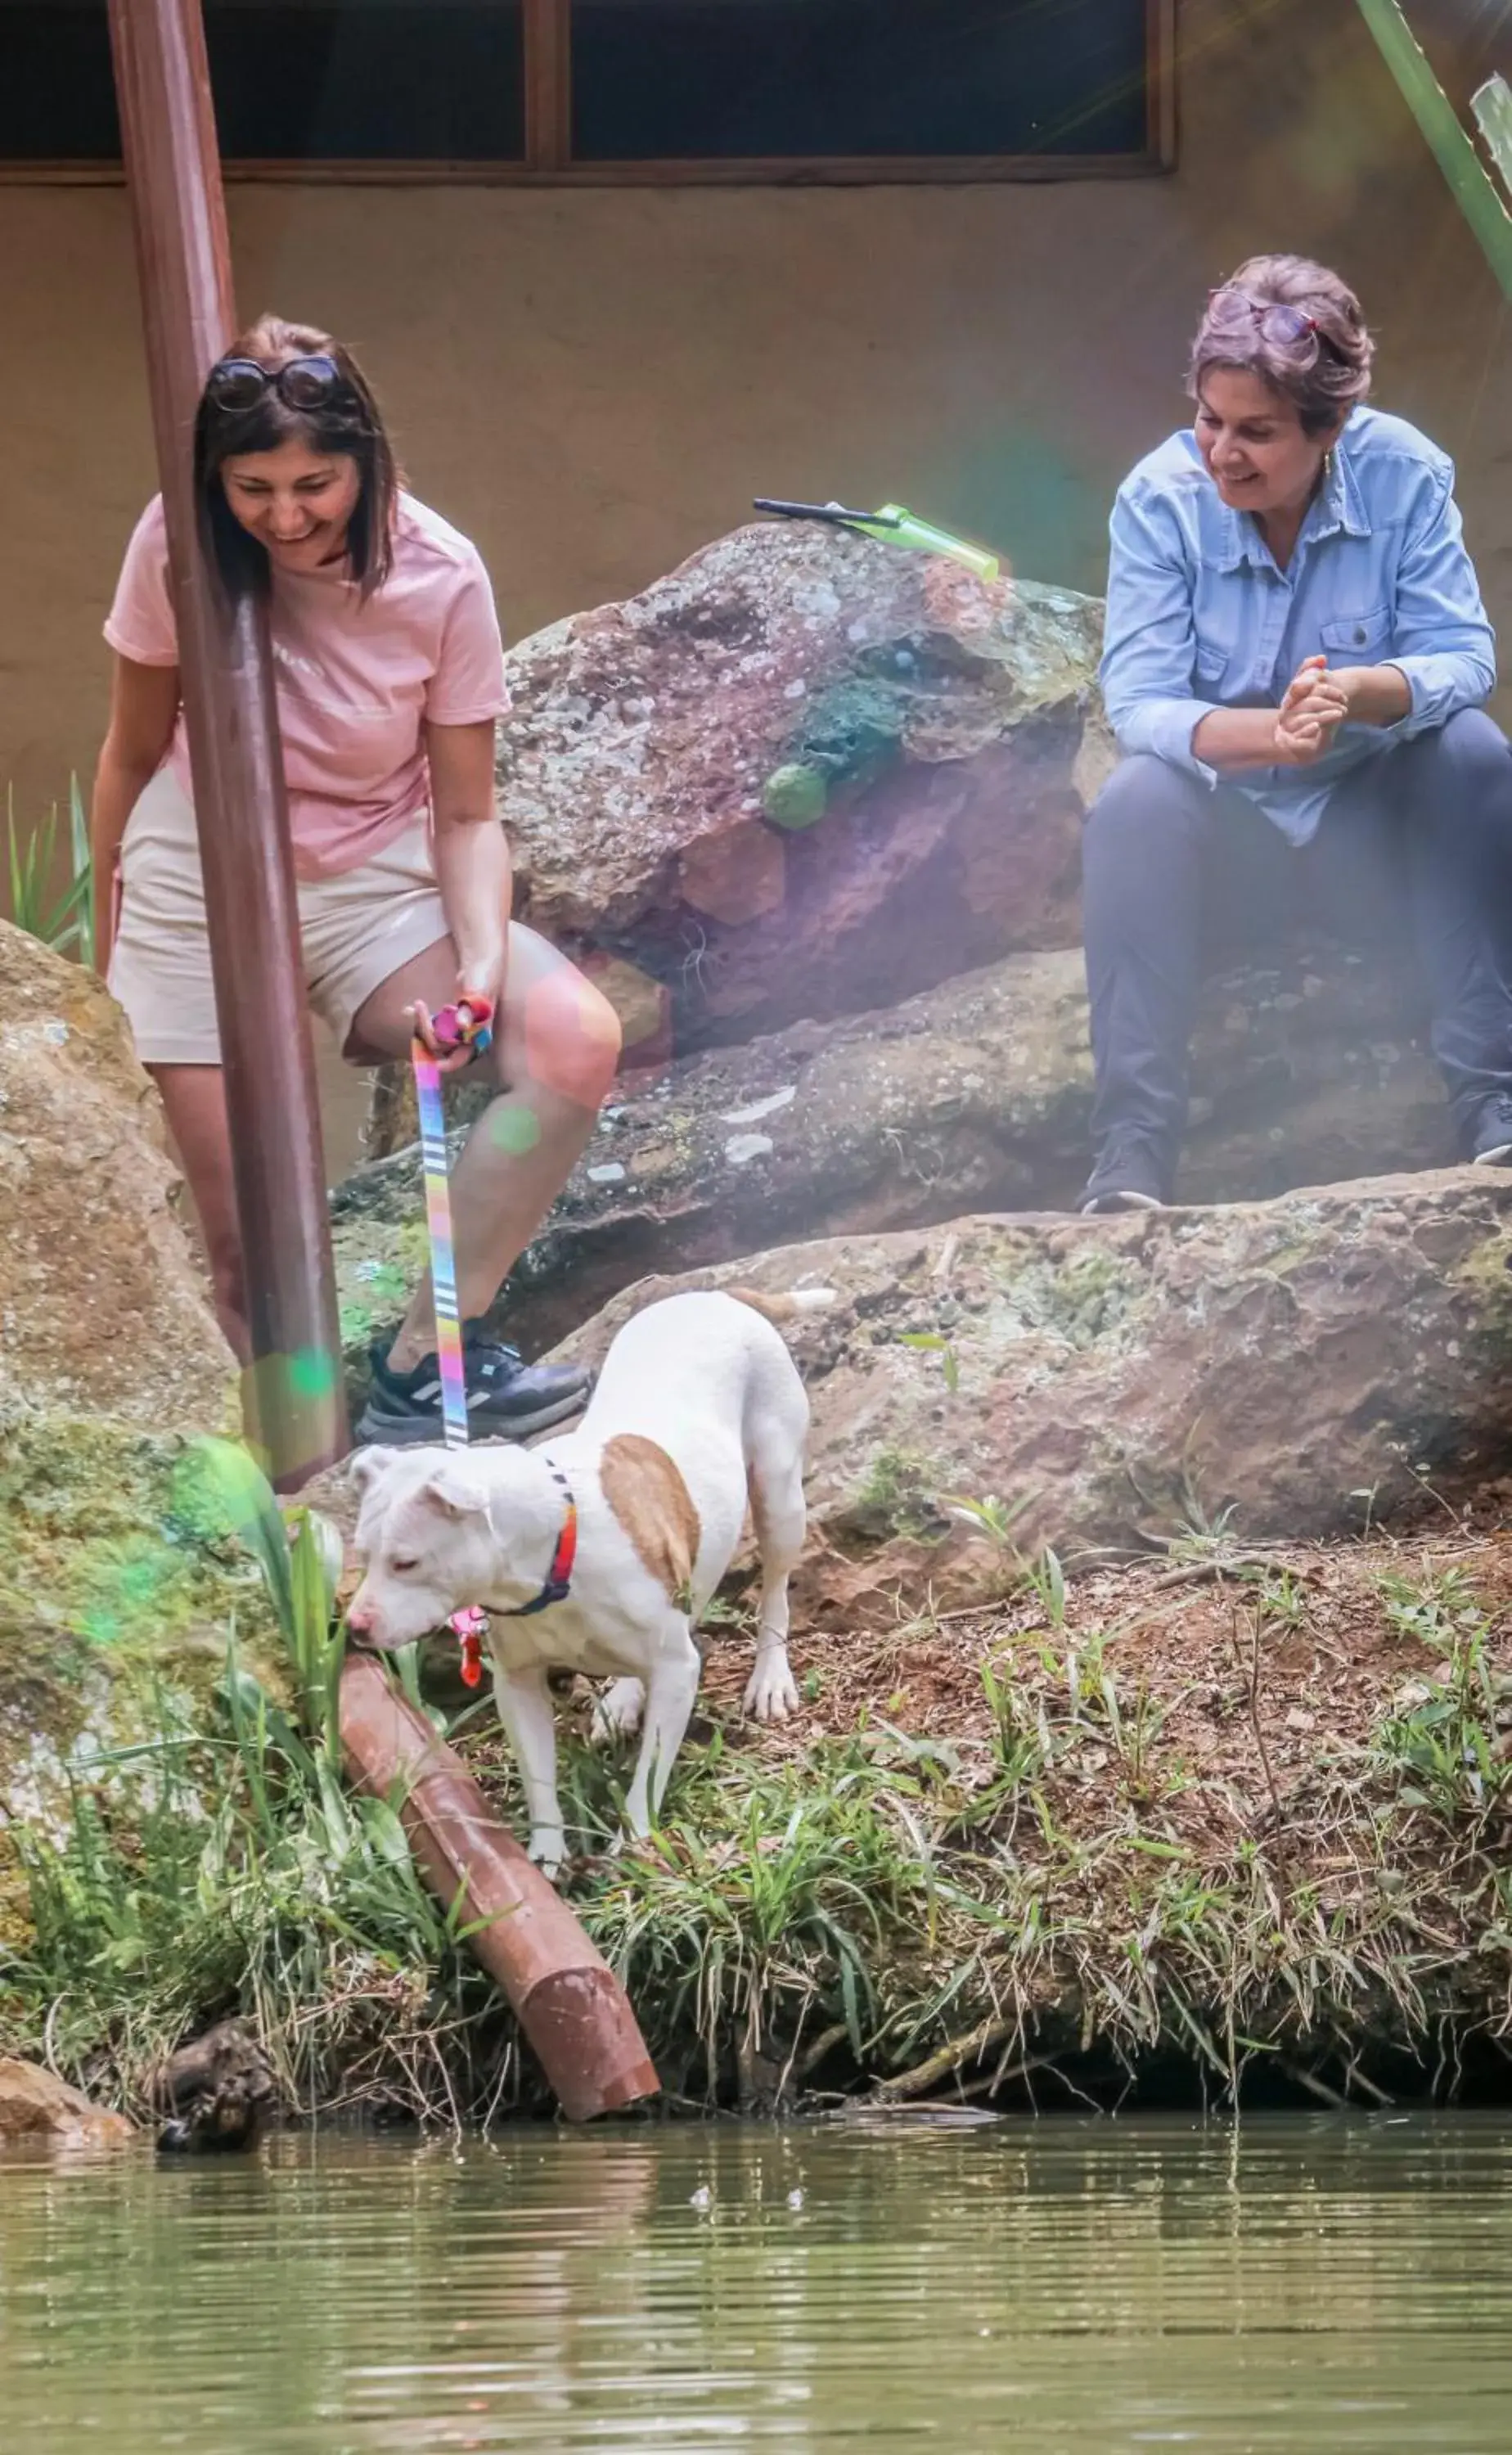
[(783, 1310)]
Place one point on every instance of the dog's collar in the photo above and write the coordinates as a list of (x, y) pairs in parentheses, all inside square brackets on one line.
[(560, 1575)]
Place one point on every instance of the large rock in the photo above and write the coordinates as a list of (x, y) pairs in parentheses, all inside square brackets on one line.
[(112, 1576), (43, 2111), (102, 1307), (973, 1095), (803, 776), (1300, 1363)]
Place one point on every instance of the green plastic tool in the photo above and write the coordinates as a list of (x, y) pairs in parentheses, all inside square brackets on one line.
[(892, 525)]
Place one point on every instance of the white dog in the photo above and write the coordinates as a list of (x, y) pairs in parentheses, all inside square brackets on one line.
[(599, 1551)]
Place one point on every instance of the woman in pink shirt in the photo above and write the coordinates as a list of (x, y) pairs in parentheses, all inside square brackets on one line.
[(389, 679)]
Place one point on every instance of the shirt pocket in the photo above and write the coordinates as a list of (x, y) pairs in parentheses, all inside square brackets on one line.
[(1357, 638)]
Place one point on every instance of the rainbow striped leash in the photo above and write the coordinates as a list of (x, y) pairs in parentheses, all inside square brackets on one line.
[(467, 1024)]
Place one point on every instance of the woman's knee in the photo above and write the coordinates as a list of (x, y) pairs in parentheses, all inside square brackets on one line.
[(565, 1036), (1477, 752), (1462, 792)]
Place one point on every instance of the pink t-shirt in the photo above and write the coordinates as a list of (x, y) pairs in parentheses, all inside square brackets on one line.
[(355, 684)]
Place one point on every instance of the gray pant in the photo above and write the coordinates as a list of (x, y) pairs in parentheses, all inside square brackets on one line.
[(1414, 850)]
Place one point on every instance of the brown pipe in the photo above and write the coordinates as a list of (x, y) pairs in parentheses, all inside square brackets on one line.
[(566, 1997), (294, 1398)]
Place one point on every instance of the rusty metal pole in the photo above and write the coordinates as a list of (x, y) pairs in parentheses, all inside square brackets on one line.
[(295, 1406), (566, 1997)]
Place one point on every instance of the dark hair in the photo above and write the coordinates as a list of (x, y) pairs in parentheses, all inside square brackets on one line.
[(351, 422), (1324, 368)]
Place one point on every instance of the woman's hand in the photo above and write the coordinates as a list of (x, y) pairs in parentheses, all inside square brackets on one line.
[(1311, 713), (1379, 695), (482, 984), (471, 870)]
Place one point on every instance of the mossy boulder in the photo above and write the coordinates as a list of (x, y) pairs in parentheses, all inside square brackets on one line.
[(117, 1584), (803, 775), (1296, 1368), (973, 1095), (103, 1307), (120, 1595)]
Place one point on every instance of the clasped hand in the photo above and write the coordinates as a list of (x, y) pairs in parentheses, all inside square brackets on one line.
[(1316, 705)]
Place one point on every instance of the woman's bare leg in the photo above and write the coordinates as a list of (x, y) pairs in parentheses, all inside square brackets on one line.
[(193, 1100), (556, 1046)]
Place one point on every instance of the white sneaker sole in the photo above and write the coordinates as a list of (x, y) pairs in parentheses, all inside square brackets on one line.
[(387, 1431), (1107, 1206)]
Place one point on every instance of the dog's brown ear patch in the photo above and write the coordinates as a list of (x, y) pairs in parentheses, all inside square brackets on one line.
[(644, 1488)]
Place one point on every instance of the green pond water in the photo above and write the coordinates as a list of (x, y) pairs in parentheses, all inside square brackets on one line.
[(1302, 2284)]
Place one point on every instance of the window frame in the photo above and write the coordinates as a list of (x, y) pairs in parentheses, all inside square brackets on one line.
[(547, 160)]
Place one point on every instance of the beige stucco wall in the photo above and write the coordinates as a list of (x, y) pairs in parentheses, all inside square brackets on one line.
[(592, 382)]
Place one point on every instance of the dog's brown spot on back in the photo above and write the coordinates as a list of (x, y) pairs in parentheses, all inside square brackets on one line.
[(779, 1309), (644, 1488)]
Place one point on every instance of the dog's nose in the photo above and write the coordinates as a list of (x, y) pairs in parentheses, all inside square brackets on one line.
[(359, 1615)]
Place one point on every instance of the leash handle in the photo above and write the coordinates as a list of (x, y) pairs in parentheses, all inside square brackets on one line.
[(443, 1257), (467, 1024)]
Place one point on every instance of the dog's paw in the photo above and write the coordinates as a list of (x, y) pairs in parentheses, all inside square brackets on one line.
[(548, 1849), (771, 1695), (618, 1714)]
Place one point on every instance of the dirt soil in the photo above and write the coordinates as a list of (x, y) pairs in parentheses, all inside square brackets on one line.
[(1262, 1663)]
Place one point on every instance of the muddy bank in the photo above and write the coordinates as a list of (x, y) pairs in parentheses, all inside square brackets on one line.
[(1236, 1814)]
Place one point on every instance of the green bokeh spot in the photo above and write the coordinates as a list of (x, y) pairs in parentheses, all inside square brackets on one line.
[(311, 1373), (1042, 495), (515, 1128)]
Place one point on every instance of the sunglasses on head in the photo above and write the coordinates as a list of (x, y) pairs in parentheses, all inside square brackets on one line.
[(1287, 328), (300, 383)]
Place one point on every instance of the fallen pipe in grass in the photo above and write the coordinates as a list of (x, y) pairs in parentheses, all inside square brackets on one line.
[(566, 1999)]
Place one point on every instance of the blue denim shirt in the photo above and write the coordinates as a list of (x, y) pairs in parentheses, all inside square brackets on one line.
[(1199, 616)]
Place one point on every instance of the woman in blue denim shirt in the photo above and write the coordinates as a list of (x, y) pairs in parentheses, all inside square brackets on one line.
[(1295, 666)]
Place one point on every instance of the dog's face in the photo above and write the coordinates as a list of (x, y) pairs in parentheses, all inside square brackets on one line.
[(425, 1541)]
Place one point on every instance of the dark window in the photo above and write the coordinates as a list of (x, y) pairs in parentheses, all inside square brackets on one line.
[(628, 89), (364, 80), (802, 80)]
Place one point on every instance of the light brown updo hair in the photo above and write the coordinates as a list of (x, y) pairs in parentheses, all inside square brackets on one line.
[(1299, 327)]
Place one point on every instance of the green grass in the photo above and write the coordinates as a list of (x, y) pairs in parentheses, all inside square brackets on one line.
[(884, 1910), (223, 1869), (220, 1866), (1449, 1743), (1062, 1885), (64, 921)]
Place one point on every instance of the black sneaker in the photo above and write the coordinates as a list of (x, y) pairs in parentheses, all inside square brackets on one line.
[(1493, 1133), (1125, 1178), (506, 1400)]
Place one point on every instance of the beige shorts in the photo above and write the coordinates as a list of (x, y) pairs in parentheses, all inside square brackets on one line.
[(355, 930)]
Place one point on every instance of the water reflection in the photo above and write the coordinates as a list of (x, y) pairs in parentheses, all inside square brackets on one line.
[(1295, 2285)]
